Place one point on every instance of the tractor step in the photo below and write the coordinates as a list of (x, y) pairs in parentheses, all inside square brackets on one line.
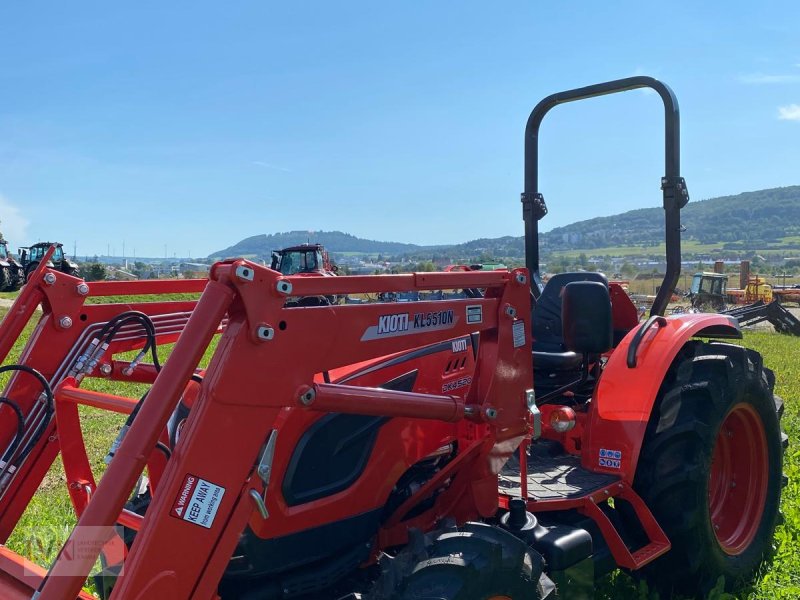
[(557, 481), (552, 475)]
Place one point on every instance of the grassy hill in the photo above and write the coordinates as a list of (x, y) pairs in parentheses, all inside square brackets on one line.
[(752, 221), (748, 221), (261, 246)]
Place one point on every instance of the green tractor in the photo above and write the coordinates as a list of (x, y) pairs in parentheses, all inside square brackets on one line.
[(30, 257), (709, 292), (11, 274)]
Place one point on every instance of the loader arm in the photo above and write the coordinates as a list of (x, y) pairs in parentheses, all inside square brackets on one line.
[(263, 378)]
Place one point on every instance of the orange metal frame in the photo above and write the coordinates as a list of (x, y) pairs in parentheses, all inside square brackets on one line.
[(265, 368)]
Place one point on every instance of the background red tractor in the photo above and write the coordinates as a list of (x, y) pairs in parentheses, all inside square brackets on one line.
[(305, 259), (516, 445)]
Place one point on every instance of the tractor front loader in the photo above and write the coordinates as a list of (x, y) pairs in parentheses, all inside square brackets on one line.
[(516, 444)]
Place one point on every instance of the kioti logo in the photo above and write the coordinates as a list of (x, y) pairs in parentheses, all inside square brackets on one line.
[(460, 345), (393, 323)]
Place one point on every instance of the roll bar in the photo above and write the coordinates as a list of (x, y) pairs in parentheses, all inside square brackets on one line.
[(673, 185)]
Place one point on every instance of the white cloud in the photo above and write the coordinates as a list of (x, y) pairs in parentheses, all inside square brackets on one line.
[(767, 79), (12, 223), (790, 112)]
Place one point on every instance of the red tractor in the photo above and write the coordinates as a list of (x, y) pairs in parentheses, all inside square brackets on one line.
[(305, 259), (515, 445)]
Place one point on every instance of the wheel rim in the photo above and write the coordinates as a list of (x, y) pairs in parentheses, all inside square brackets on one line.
[(737, 488)]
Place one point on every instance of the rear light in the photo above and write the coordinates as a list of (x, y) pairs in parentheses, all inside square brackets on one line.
[(562, 419)]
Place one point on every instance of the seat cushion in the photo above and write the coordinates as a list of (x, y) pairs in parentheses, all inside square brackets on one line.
[(556, 361)]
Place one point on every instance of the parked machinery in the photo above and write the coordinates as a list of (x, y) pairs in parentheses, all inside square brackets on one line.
[(30, 257), (11, 273)]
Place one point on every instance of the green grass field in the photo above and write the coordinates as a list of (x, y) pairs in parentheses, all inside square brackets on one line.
[(688, 247), (49, 517)]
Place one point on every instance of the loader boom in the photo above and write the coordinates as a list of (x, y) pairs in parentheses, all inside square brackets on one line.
[(265, 369)]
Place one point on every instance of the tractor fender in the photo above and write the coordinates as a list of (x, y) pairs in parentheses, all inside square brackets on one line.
[(625, 395)]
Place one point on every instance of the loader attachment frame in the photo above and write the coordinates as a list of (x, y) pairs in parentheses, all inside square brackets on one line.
[(271, 363), (752, 314)]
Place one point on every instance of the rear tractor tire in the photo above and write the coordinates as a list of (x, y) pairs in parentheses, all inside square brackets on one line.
[(29, 271), (710, 468), (476, 562)]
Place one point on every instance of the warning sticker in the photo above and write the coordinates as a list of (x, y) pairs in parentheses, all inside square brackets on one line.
[(610, 458), (474, 314), (518, 331), (198, 501)]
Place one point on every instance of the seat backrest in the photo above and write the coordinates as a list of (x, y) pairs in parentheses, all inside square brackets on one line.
[(546, 312)]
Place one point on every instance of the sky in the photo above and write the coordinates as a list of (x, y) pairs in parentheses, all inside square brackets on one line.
[(183, 127)]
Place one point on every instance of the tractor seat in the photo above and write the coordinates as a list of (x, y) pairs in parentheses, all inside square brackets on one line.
[(553, 366), (556, 361), (546, 313)]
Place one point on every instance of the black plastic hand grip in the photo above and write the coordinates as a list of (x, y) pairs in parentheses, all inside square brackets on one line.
[(633, 349)]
